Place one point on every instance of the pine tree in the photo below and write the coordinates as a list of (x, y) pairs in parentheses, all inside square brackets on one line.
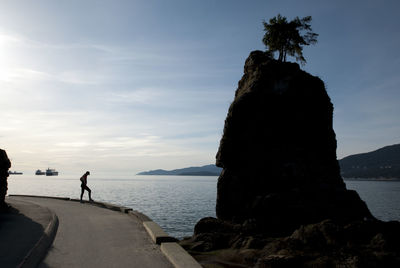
[(286, 38)]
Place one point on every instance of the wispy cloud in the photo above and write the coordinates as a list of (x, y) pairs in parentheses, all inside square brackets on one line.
[(18, 75), (81, 78), (140, 95)]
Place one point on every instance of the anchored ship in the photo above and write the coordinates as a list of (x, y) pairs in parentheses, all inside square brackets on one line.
[(15, 173), (39, 172), (51, 172)]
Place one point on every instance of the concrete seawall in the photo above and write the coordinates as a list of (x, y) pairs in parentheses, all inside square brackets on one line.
[(174, 253)]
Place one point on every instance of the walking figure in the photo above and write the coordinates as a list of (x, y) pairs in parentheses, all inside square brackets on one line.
[(84, 186)]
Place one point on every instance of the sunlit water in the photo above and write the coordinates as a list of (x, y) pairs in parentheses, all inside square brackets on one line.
[(176, 203)]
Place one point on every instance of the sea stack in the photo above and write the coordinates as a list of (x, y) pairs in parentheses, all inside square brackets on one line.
[(281, 201), (278, 152)]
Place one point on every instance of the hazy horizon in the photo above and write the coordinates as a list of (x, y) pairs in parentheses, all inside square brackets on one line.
[(120, 87)]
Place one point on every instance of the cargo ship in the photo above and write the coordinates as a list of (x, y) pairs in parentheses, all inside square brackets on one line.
[(51, 172), (15, 173), (39, 172)]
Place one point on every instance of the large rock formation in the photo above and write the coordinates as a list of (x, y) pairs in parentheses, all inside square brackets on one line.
[(5, 164), (278, 152), (281, 201)]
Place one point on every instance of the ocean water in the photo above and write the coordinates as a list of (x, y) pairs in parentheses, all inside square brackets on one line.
[(176, 203), (382, 197)]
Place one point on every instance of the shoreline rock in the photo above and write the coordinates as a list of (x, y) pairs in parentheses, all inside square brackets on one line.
[(5, 164), (324, 244)]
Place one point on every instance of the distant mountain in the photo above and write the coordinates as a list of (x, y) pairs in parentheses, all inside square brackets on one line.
[(383, 163), (208, 170)]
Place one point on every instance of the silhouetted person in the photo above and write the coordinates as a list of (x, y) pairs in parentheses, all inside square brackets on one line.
[(84, 186)]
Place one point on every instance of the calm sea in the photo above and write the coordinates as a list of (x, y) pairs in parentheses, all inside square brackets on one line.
[(176, 203)]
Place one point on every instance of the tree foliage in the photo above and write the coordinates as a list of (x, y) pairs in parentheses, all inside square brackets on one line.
[(286, 37)]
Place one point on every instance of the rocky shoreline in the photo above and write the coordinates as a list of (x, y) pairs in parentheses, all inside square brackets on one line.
[(324, 244)]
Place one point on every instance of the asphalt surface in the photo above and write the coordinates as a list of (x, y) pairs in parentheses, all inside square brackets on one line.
[(20, 230), (91, 236)]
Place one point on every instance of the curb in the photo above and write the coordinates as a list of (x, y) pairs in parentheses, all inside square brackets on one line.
[(113, 207), (39, 250), (40, 196), (104, 205), (139, 215), (178, 256), (156, 233)]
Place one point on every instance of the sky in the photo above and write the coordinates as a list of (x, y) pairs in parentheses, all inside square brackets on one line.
[(118, 87)]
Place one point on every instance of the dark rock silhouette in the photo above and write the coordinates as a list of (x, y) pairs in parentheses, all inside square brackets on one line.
[(5, 164), (278, 152), (281, 201)]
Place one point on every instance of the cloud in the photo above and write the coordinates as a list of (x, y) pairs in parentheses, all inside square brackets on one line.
[(7, 39), (81, 78), (140, 95), (23, 75), (62, 138)]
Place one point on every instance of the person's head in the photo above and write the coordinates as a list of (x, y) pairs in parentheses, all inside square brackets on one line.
[(87, 173)]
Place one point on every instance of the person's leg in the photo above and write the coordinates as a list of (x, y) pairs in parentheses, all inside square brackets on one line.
[(82, 191), (90, 193)]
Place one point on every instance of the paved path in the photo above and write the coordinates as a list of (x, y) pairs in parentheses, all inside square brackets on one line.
[(20, 230), (90, 236)]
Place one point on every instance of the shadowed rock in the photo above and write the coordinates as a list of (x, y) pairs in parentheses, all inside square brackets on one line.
[(5, 164), (281, 201), (278, 152)]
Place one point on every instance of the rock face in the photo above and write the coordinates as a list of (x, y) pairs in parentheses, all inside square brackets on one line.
[(281, 201), (278, 152), (5, 164)]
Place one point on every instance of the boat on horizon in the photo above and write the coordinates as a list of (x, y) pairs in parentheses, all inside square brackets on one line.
[(39, 172), (51, 172), (15, 173)]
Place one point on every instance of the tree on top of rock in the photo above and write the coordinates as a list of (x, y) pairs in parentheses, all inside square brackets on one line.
[(285, 37)]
